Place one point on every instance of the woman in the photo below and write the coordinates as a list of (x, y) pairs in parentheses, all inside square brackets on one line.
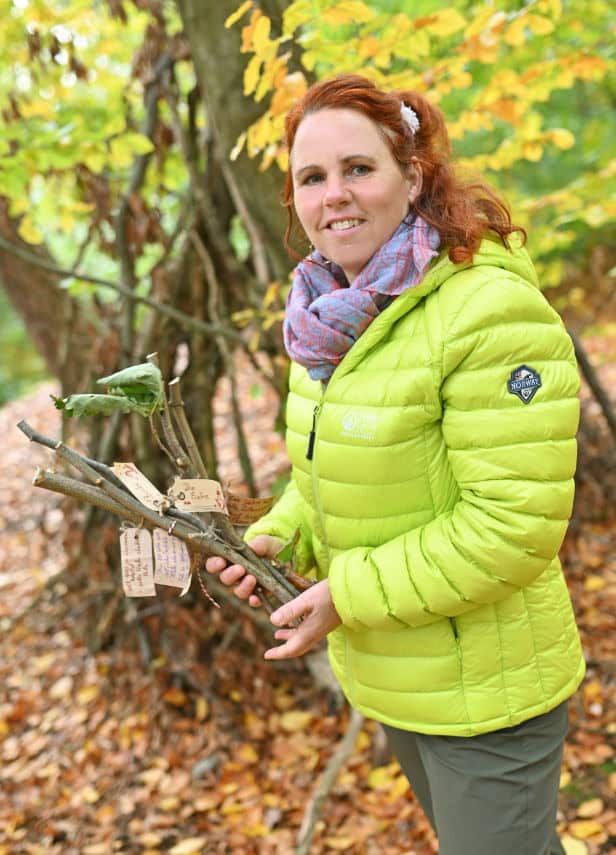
[(431, 425)]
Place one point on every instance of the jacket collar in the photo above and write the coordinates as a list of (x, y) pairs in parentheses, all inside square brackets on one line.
[(491, 253)]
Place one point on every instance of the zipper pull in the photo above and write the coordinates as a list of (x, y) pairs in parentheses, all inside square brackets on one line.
[(312, 434)]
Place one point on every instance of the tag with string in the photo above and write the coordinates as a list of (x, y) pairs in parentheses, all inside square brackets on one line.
[(197, 495), (171, 559), (137, 563), (140, 487)]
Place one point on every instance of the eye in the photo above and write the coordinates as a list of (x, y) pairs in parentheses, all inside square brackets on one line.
[(359, 169), (313, 178)]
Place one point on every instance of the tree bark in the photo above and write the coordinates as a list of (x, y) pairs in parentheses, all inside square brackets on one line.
[(219, 67), (68, 341)]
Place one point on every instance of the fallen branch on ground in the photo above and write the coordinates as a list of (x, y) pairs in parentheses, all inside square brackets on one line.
[(326, 782)]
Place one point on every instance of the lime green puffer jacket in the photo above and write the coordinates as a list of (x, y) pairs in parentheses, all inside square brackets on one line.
[(437, 498)]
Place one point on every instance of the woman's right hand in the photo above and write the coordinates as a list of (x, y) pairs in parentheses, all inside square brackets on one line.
[(235, 574)]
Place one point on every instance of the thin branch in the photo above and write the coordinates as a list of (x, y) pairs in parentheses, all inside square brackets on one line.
[(181, 458), (213, 291), (145, 647), (594, 383), (185, 215), (326, 782), (176, 405), (257, 244), (175, 314), (199, 189), (140, 163), (139, 515), (158, 440), (104, 495), (82, 249)]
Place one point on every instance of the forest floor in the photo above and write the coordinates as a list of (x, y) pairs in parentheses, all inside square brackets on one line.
[(200, 746)]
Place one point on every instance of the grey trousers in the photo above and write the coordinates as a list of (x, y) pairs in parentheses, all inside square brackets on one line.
[(494, 794)]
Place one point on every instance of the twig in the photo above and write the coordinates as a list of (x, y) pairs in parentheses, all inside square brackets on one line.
[(326, 782), (142, 636), (176, 405), (159, 441), (138, 514), (213, 290), (180, 457), (105, 621), (140, 163), (198, 185), (257, 244), (594, 383), (182, 318)]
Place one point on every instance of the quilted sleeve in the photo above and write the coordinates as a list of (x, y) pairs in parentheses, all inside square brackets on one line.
[(287, 515), (510, 413)]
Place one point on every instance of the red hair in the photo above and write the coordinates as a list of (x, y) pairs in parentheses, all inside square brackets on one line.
[(462, 212)]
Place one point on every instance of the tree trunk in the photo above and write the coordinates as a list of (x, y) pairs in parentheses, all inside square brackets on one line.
[(219, 67), (71, 344)]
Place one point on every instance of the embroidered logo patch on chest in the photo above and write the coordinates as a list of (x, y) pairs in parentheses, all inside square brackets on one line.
[(359, 425), (524, 382)]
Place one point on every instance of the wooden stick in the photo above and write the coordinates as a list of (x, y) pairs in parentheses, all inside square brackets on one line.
[(176, 405), (326, 782), (594, 383), (137, 514)]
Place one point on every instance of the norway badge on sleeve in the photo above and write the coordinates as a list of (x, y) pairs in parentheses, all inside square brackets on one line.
[(524, 382)]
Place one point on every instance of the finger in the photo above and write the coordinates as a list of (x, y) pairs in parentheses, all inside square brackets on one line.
[(259, 544), (245, 588), (266, 545), (288, 650), (214, 564), (232, 574), (284, 634), (254, 601), (292, 611)]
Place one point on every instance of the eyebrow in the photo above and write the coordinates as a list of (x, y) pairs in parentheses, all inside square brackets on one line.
[(346, 159)]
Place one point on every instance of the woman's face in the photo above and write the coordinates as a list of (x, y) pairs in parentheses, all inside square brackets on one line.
[(350, 194)]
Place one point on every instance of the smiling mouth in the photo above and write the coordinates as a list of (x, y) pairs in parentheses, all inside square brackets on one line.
[(344, 225)]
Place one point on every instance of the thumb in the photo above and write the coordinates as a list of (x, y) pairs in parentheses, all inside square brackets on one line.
[(266, 545)]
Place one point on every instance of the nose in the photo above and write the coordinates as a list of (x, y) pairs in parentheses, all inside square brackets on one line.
[(336, 191)]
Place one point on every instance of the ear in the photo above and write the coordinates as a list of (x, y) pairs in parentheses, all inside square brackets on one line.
[(415, 178)]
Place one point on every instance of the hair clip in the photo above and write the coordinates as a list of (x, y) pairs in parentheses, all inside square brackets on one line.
[(410, 118)]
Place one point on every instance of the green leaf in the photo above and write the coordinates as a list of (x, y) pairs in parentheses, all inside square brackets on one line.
[(95, 405), (142, 384), (145, 374), (286, 554), (138, 143), (136, 389)]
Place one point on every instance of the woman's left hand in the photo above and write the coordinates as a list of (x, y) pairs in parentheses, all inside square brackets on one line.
[(319, 615)]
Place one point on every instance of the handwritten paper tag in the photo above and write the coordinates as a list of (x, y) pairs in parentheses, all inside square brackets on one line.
[(139, 486), (172, 560), (197, 494), (137, 564), (244, 511)]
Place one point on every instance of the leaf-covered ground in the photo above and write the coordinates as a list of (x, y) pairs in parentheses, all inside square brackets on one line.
[(210, 749)]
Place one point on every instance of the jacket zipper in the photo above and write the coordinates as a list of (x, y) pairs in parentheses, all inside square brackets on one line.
[(313, 433), (314, 477), (319, 516)]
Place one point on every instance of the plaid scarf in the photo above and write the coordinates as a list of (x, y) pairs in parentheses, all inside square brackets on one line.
[(325, 315)]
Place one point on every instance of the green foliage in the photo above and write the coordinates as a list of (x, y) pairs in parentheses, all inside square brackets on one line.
[(72, 86), (20, 367), (136, 389), (525, 88), (286, 553)]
